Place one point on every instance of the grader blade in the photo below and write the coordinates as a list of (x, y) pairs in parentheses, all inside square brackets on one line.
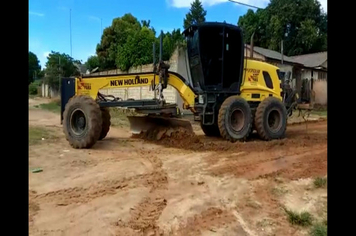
[(139, 124)]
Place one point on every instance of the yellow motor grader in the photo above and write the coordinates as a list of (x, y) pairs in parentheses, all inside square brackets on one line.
[(229, 95)]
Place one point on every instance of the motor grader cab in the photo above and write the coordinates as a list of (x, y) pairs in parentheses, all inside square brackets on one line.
[(228, 94)]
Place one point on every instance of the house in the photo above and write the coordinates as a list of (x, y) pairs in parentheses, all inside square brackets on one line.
[(81, 68), (315, 65), (274, 58), (315, 70), (307, 71)]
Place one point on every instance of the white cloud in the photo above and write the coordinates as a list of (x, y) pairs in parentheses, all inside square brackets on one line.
[(44, 59), (257, 3), (46, 54), (324, 5), (35, 13), (186, 3)]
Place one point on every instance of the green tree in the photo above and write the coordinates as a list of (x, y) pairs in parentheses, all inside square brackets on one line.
[(34, 67), (92, 63), (195, 15), (137, 50), (170, 42), (113, 36), (119, 38), (302, 25), (59, 65)]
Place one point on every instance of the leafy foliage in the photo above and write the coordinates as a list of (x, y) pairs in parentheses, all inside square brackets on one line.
[(137, 50), (33, 87), (195, 15), (92, 62), (170, 42), (128, 43), (301, 24), (59, 65), (34, 67), (303, 219)]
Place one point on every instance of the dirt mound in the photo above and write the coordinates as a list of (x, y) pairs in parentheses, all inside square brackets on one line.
[(175, 137)]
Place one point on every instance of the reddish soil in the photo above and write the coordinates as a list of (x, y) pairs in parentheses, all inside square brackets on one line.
[(181, 184)]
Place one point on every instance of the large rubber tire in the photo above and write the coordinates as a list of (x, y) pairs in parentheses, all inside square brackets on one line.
[(271, 119), (235, 119), (210, 130), (82, 122), (106, 117)]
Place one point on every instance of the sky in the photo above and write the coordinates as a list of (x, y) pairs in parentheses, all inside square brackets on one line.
[(54, 24)]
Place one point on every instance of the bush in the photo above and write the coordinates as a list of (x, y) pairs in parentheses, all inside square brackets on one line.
[(33, 87), (303, 219)]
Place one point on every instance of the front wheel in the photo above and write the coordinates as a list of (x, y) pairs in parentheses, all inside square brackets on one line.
[(271, 119), (235, 119), (106, 117), (82, 122)]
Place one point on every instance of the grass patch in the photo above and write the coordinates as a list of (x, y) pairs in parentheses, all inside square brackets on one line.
[(320, 182), (119, 117), (319, 229), (35, 134), (279, 191), (33, 95), (302, 219), (52, 106), (323, 113)]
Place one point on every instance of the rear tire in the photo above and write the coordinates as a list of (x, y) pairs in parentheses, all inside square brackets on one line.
[(210, 130), (235, 119), (82, 121), (106, 117), (271, 119)]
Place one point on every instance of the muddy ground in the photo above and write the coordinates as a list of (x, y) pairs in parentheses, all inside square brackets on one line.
[(197, 186)]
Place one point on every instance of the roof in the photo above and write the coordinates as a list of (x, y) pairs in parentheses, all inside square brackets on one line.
[(312, 60), (81, 67), (273, 54)]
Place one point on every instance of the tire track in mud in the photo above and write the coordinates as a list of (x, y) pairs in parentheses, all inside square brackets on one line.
[(68, 196), (210, 219), (255, 165), (144, 216), (33, 207), (266, 207)]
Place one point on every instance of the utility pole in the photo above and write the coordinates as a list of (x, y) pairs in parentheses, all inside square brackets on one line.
[(282, 51), (70, 30)]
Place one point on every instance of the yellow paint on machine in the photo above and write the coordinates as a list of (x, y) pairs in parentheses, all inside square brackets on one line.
[(91, 86), (253, 82)]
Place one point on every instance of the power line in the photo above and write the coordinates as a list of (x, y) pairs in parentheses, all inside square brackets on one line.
[(247, 5), (70, 30)]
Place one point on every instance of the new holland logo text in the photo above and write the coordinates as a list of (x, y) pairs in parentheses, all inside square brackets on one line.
[(122, 82)]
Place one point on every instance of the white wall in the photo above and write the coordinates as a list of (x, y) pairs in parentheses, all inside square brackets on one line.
[(306, 74), (320, 89)]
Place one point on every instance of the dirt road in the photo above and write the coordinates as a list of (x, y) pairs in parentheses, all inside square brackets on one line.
[(206, 186)]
